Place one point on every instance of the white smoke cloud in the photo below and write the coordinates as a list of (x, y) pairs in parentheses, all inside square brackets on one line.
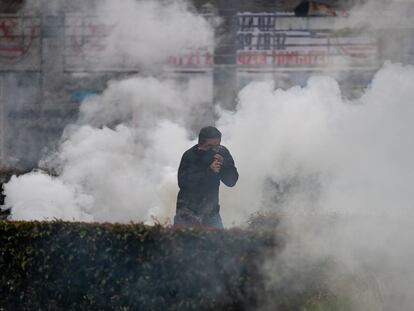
[(130, 136), (119, 168), (380, 14), (285, 132), (49, 198), (141, 101), (313, 130), (350, 161), (146, 33)]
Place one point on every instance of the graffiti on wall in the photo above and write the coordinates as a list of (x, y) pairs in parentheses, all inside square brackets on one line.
[(262, 40), (84, 40), (19, 37), (86, 43), (202, 57)]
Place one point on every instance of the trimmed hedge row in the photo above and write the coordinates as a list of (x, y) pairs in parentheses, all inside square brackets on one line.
[(78, 266)]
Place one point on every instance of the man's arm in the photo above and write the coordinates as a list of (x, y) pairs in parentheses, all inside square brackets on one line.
[(228, 172)]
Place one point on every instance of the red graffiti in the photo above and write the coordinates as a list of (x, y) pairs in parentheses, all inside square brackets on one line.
[(15, 43), (357, 51), (7, 28), (311, 58), (286, 58), (253, 58), (192, 59), (89, 35)]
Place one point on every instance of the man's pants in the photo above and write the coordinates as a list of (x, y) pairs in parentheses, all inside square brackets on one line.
[(189, 218)]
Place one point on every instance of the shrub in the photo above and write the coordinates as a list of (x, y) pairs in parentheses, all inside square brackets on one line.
[(264, 221), (79, 266)]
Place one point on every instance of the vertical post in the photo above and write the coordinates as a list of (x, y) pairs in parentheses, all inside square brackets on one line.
[(225, 81), (52, 75), (225, 66), (2, 125)]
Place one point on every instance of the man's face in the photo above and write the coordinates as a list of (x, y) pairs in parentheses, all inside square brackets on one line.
[(210, 143), (321, 9)]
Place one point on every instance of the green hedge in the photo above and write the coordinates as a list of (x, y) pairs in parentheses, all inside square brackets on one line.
[(79, 266)]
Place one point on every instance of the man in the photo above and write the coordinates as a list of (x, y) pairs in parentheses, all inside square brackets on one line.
[(202, 168), (312, 8)]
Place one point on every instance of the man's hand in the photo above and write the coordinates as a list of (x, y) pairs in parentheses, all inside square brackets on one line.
[(219, 158), (216, 166)]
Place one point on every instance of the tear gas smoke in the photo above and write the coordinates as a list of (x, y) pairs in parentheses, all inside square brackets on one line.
[(146, 33), (347, 159), (111, 162), (118, 169), (321, 153)]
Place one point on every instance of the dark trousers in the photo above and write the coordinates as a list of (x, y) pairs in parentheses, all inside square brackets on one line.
[(185, 217)]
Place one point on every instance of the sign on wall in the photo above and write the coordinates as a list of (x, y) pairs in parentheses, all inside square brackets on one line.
[(264, 40)]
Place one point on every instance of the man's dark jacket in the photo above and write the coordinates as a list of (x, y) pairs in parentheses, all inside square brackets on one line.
[(199, 185)]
